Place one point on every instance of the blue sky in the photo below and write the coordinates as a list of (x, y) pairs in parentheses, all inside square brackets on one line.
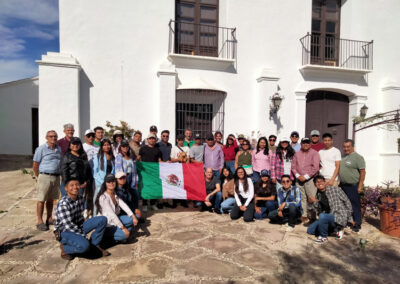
[(28, 29)]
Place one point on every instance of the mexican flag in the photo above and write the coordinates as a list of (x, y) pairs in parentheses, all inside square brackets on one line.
[(171, 181)]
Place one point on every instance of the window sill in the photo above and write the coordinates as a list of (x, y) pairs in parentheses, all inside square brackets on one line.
[(330, 69), (201, 62)]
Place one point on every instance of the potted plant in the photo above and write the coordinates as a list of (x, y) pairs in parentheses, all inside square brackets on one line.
[(389, 210)]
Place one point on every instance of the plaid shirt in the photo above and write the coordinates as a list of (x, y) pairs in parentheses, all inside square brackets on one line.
[(69, 216), (339, 204), (293, 198), (277, 169)]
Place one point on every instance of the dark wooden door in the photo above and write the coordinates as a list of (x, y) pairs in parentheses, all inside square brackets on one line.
[(328, 112), (35, 129)]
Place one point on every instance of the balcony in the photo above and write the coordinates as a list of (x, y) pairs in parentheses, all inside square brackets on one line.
[(335, 54), (201, 45)]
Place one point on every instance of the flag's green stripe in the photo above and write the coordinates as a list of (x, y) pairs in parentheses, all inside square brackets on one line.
[(149, 180)]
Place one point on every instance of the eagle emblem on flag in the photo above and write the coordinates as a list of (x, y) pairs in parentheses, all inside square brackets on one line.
[(173, 180)]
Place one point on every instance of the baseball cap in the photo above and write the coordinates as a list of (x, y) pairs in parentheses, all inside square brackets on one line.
[(305, 140), (240, 136), (197, 136), (264, 173), (75, 140), (180, 137), (285, 139), (109, 177), (151, 135), (120, 175), (124, 142), (294, 133), (89, 131), (153, 128), (210, 136), (117, 132), (315, 132)]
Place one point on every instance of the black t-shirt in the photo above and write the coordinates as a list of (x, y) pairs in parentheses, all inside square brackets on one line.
[(165, 151), (324, 202), (211, 185), (109, 167), (149, 154), (267, 191)]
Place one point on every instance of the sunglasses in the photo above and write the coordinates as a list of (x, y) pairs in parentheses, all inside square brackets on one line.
[(314, 135), (165, 136), (295, 136), (272, 140), (285, 181), (110, 181), (90, 136)]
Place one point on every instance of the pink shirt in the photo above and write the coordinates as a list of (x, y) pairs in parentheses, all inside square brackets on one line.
[(259, 161), (305, 163)]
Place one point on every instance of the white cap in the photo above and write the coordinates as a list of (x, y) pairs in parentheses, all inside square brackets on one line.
[(284, 139), (89, 131), (117, 132), (120, 175)]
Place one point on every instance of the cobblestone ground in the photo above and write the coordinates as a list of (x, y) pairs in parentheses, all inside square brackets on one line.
[(188, 246)]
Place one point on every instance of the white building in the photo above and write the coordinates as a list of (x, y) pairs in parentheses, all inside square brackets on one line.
[(214, 65)]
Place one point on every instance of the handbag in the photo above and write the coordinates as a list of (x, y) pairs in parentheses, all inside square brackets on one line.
[(248, 169)]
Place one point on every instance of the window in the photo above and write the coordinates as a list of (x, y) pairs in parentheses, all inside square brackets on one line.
[(325, 29), (196, 27), (202, 111)]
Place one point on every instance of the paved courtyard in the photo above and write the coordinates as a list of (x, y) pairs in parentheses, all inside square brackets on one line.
[(188, 246)]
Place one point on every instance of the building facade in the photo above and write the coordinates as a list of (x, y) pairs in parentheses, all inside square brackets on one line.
[(214, 65)]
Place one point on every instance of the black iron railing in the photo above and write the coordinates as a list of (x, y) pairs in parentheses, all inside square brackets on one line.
[(202, 40), (337, 52)]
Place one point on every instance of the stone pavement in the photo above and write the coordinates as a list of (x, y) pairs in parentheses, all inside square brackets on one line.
[(187, 246)]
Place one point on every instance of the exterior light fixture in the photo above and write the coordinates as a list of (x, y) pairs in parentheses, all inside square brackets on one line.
[(363, 111), (276, 100)]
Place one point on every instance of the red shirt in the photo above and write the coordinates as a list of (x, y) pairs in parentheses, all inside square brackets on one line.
[(64, 144), (318, 146), (230, 152)]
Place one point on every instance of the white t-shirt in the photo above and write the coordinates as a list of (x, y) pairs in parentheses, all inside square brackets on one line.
[(328, 159), (175, 151)]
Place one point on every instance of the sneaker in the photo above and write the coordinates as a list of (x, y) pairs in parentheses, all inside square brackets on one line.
[(339, 234), (154, 208), (289, 229), (355, 230), (321, 240), (144, 208)]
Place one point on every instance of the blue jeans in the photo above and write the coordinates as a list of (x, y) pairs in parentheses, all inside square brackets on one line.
[(115, 232), (227, 205), (351, 191), (322, 225), (62, 189), (214, 199), (231, 166), (74, 243), (216, 174), (269, 206), (256, 176)]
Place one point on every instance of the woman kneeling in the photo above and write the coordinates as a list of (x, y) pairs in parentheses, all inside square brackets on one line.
[(244, 193)]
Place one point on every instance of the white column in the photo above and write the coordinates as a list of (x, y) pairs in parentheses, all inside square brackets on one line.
[(167, 99), (267, 87), (300, 112), (58, 93)]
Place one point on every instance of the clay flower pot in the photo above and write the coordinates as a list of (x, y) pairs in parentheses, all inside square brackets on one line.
[(389, 211)]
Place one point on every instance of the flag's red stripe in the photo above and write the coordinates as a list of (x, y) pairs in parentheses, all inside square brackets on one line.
[(193, 178)]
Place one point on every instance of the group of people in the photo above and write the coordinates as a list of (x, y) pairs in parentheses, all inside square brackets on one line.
[(287, 182)]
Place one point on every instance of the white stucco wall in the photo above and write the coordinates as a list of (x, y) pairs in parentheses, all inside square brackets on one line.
[(121, 56), (17, 100)]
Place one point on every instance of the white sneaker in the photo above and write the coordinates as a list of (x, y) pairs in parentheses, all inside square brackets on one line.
[(321, 240), (339, 234), (154, 207), (289, 229), (144, 208)]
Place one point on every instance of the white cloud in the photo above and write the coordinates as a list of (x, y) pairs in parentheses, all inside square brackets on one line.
[(11, 70), (10, 45), (35, 32), (43, 12)]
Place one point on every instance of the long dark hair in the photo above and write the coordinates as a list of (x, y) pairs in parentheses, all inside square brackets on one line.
[(229, 177), (259, 190), (81, 152), (100, 154), (227, 145), (130, 153), (103, 189), (245, 183), (289, 154), (266, 150)]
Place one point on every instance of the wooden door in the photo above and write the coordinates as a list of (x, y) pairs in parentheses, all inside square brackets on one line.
[(328, 112), (35, 128)]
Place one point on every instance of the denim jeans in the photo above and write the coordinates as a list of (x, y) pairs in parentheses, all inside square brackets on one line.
[(216, 174), (227, 205), (256, 176), (214, 199), (269, 206), (322, 226), (231, 165), (116, 233), (62, 189), (74, 243), (290, 215), (351, 191)]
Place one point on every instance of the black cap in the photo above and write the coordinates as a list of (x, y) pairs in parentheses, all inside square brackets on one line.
[(197, 136), (109, 177), (153, 128), (124, 142), (294, 133), (305, 140), (210, 136), (180, 137), (75, 140)]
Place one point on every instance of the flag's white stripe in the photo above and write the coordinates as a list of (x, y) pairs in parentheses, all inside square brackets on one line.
[(170, 190)]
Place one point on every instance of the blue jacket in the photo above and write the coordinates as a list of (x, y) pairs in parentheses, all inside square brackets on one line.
[(99, 174)]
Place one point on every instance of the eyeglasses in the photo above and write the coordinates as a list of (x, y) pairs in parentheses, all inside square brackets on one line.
[(285, 181), (52, 136), (272, 140)]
